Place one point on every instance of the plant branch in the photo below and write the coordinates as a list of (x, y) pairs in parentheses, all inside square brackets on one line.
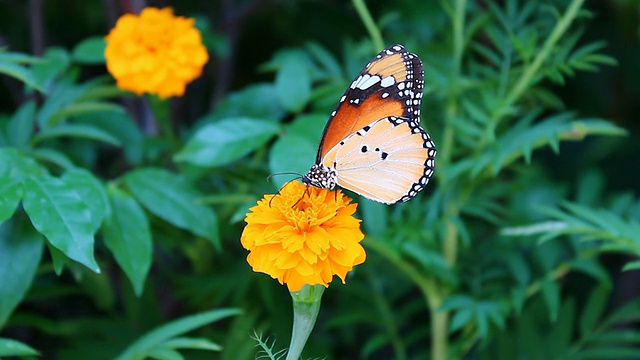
[(527, 79), (369, 24), (430, 292)]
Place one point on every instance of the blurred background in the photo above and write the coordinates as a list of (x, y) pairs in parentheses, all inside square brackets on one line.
[(96, 316)]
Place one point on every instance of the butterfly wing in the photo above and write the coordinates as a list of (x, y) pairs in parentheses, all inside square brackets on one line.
[(390, 85), (389, 160)]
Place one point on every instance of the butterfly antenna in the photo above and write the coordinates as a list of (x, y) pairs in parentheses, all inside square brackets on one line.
[(298, 175), (306, 191), (287, 183)]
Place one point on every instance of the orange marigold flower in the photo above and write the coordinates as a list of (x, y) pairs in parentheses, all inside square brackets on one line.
[(156, 52), (303, 240)]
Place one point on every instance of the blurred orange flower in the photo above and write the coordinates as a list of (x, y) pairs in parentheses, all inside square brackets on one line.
[(156, 52), (303, 239)]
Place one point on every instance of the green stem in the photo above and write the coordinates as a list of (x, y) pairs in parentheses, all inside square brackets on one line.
[(526, 80), (428, 287), (387, 317), (440, 319), (458, 36), (160, 108), (369, 24), (306, 305), (457, 22)]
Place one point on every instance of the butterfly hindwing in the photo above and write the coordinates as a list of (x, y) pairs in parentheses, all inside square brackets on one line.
[(389, 160), (390, 85), (373, 143)]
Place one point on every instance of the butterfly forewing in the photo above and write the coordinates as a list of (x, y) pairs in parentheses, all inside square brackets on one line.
[(388, 161), (373, 143), (390, 85)]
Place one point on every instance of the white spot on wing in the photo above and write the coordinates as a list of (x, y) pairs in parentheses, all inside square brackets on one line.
[(388, 81), (367, 81), (356, 81)]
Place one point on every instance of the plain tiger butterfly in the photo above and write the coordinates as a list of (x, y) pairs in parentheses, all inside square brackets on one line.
[(373, 143)]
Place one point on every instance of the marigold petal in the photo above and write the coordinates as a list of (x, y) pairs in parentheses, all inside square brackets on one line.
[(284, 260), (318, 240), (303, 235)]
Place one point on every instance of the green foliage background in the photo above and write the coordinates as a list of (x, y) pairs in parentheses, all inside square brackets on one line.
[(120, 216)]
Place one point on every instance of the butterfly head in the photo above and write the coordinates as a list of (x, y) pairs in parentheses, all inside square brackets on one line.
[(320, 176)]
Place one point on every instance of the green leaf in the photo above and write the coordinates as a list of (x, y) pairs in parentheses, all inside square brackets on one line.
[(373, 344), (302, 134), (375, 217), (91, 192), (56, 61), (10, 347), (90, 51), (10, 195), (610, 352), (281, 161), (193, 343), (18, 58), (325, 59), (429, 259), (121, 126), (457, 302), (633, 265), (50, 155), (67, 98), (58, 259), (551, 295), (593, 269), (169, 197), (58, 212), (593, 310), (84, 131), (20, 126), (254, 101), (562, 332), (85, 108), (21, 73), (226, 141), (161, 335), (15, 165), (309, 126), (293, 83), (127, 235), (620, 336), (20, 253), (461, 318), (162, 353)]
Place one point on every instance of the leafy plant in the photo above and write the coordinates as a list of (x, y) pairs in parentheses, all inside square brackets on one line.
[(117, 216)]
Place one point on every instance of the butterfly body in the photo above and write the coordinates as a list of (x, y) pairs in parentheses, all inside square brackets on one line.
[(373, 143)]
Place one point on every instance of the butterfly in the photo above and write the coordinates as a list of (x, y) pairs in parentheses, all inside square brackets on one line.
[(373, 144)]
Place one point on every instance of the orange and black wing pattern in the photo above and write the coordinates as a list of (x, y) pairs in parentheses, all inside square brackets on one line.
[(390, 85)]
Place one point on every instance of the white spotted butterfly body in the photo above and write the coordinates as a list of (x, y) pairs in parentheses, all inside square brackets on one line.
[(373, 143)]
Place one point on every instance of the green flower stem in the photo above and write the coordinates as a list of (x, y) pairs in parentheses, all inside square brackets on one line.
[(369, 24), (160, 108), (306, 304)]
